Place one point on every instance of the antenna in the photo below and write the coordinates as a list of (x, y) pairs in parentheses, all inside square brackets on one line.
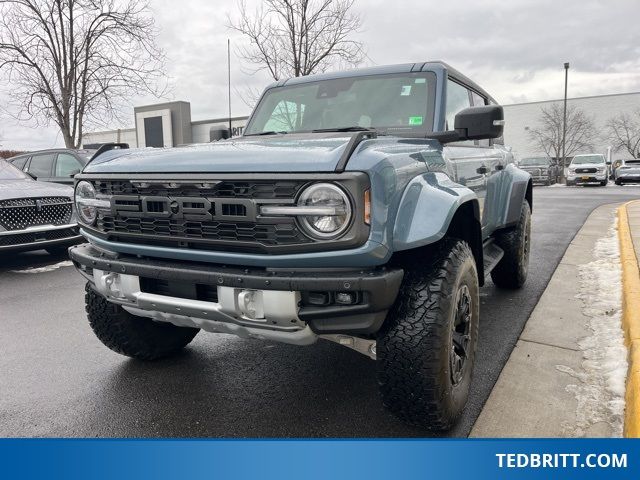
[(229, 81)]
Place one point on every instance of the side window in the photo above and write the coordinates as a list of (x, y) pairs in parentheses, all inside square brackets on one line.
[(66, 165), (479, 101), (41, 165), (457, 99), (19, 162)]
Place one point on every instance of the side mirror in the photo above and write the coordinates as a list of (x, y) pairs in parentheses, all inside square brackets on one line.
[(479, 123), (31, 175), (474, 123), (217, 133), (74, 173)]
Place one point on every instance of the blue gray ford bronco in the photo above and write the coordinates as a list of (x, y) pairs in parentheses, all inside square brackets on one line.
[(364, 207)]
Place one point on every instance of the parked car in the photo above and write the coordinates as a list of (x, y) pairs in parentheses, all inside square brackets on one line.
[(35, 215), (627, 172), (543, 170), (57, 165), (588, 169), (364, 207)]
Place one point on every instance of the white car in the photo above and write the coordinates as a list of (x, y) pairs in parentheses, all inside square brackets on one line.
[(590, 169)]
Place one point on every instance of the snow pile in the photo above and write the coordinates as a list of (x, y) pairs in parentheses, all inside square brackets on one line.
[(48, 268), (600, 393)]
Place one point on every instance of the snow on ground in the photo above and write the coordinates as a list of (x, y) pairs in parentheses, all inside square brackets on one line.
[(48, 268), (601, 388)]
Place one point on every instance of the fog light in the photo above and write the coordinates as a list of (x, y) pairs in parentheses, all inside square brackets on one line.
[(346, 298), (251, 305)]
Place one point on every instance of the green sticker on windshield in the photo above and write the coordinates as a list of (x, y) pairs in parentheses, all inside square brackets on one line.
[(415, 120)]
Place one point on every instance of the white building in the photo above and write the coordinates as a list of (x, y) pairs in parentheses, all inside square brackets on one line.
[(170, 124), (521, 117)]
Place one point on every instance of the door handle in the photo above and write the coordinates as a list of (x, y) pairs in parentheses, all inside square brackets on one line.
[(482, 170)]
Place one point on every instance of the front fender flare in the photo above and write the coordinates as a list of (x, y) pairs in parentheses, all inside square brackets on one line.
[(426, 209)]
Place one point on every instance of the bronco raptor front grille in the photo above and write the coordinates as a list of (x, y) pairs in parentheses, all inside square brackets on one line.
[(235, 224), (217, 212), (18, 214), (226, 189)]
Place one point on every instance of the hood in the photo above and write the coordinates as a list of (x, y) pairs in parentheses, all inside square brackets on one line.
[(30, 188), (534, 167), (588, 165), (278, 153), (630, 167)]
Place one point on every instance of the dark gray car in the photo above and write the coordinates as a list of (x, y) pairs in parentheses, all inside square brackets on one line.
[(57, 165), (35, 215), (543, 170)]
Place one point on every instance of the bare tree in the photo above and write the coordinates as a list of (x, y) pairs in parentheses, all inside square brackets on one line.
[(291, 38), (623, 131), (547, 136), (77, 61)]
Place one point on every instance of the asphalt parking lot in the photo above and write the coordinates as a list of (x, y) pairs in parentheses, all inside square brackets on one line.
[(56, 379)]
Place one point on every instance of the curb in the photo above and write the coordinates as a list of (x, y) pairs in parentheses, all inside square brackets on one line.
[(630, 322)]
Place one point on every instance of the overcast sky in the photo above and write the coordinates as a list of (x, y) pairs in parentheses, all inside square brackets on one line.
[(513, 48)]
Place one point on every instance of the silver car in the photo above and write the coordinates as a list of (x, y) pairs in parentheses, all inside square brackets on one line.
[(627, 172)]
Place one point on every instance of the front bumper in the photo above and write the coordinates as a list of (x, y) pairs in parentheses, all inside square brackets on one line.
[(130, 281), (628, 179), (35, 238), (587, 178)]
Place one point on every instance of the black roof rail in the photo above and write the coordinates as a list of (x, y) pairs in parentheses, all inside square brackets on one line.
[(109, 146)]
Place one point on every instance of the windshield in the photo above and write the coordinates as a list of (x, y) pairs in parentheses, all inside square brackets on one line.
[(9, 172), (400, 104), (535, 161), (582, 159)]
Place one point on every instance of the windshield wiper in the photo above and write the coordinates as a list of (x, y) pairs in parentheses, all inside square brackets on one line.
[(353, 128), (269, 132)]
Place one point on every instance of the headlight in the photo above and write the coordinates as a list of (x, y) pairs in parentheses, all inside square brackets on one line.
[(328, 210), (323, 210), (572, 171), (86, 202)]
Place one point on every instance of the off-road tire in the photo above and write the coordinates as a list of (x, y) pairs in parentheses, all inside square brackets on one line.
[(618, 182), (511, 272), (133, 336), (414, 347)]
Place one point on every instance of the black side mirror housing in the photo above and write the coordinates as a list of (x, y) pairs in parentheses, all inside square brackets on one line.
[(479, 123), (217, 133), (474, 123)]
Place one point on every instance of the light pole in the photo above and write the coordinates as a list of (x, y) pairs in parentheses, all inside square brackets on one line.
[(564, 121)]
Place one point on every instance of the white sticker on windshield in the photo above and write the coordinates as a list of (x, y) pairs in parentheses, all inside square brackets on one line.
[(406, 90)]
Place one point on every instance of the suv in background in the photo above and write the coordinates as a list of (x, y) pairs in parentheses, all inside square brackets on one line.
[(588, 169), (35, 215), (628, 171), (364, 208), (57, 165), (543, 170)]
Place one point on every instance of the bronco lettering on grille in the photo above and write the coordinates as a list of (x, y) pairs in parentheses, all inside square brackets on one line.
[(186, 208)]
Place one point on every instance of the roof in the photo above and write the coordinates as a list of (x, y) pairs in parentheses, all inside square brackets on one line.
[(431, 66)]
